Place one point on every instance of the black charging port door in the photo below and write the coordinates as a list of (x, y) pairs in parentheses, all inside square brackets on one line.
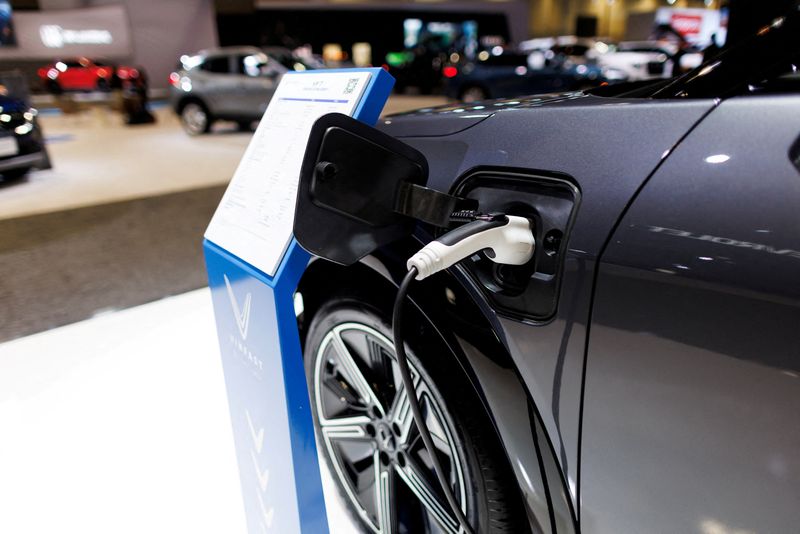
[(527, 291), (347, 195)]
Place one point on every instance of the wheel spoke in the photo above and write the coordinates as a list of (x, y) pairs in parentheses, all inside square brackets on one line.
[(336, 386), (350, 428), (434, 425), (427, 495), (350, 368), (384, 497), (368, 431), (401, 413)]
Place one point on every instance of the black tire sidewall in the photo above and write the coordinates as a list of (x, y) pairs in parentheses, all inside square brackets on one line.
[(53, 87), (14, 174)]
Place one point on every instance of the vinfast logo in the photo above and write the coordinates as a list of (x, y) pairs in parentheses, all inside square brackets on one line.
[(54, 36), (51, 36), (242, 315), (241, 312)]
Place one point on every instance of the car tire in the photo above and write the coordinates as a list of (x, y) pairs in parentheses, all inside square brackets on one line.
[(473, 93), (470, 452), (14, 174), (53, 87), (195, 118), (244, 126), (103, 85)]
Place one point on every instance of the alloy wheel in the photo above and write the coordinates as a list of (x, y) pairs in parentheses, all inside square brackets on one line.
[(371, 441), (194, 118)]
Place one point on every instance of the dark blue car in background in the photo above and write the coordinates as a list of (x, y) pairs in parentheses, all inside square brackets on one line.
[(508, 74), (21, 143)]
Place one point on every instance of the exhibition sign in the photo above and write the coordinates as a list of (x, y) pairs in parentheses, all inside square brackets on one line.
[(100, 31), (254, 266)]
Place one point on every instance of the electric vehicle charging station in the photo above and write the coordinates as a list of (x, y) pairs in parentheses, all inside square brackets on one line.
[(254, 266), (344, 189)]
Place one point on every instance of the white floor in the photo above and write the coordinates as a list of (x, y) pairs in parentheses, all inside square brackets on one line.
[(120, 424)]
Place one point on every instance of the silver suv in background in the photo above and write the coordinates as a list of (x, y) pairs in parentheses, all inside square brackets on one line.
[(229, 83)]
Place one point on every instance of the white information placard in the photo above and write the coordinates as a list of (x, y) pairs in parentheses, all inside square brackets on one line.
[(255, 217)]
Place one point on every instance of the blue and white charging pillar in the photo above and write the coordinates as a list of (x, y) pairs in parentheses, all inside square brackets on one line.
[(254, 307)]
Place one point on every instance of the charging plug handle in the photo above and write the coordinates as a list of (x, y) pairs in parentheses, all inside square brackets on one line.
[(508, 240)]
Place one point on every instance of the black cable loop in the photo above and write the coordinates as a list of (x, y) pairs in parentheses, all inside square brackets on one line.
[(416, 411)]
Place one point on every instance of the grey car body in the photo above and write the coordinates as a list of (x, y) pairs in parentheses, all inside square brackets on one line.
[(658, 389), (229, 83)]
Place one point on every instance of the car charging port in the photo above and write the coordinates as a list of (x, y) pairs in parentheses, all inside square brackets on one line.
[(530, 290)]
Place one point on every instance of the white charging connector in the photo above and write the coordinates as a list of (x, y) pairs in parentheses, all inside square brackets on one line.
[(508, 240)]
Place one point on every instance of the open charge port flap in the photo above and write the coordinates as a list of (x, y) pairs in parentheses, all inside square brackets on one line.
[(527, 291)]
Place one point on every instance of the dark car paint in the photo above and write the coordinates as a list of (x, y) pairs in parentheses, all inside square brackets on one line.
[(550, 356), (693, 373), (625, 457)]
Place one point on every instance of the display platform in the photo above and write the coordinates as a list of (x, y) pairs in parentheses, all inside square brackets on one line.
[(120, 424)]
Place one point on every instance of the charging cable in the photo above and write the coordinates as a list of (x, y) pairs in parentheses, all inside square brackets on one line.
[(506, 239)]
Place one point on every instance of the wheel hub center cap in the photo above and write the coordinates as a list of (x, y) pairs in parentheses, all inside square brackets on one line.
[(385, 437)]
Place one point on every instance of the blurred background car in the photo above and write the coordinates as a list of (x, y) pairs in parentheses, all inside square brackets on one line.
[(502, 73), (420, 68), (294, 59), (646, 60), (428, 47), (640, 60), (230, 83), (21, 142), (84, 74), (577, 49)]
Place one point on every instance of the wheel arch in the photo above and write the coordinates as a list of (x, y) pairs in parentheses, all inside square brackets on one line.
[(474, 347)]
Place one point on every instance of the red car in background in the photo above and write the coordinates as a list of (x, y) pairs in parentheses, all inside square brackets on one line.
[(84, 74)]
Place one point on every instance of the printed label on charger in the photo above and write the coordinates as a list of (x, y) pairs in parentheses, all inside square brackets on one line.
[(254, 220)]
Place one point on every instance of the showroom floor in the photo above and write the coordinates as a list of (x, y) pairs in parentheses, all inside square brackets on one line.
[(120, 424), (112, 404)]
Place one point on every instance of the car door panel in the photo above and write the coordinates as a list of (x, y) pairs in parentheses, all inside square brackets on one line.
[(74, 77), (616, 151), (507, 82), (256, 91), (693, 374), (257, 83), (216, 83)]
